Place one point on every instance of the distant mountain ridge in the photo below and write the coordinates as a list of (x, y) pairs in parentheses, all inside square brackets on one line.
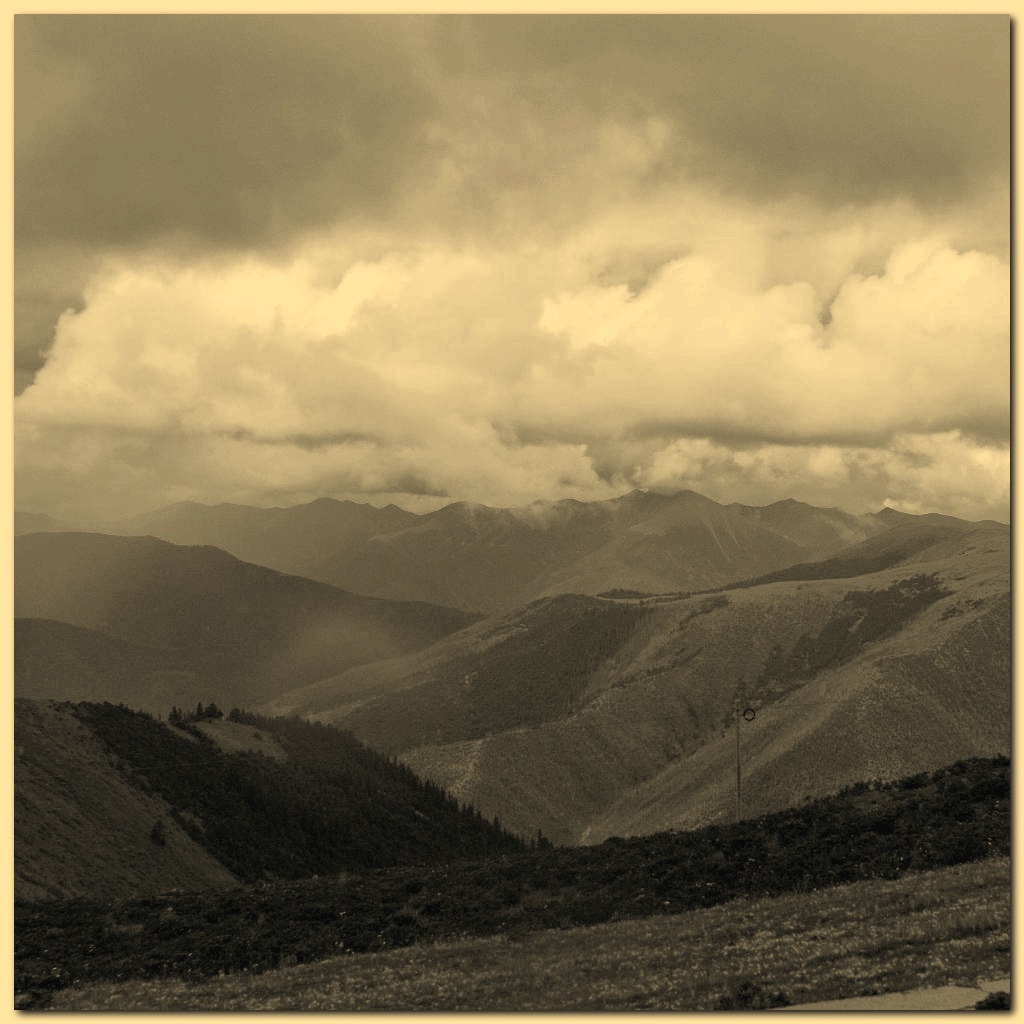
[(188, 618), (493, 560)]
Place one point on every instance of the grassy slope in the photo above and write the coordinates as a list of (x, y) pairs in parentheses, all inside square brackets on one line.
[(235, 801), (909, 703), (879, 705), (82, 827), (923, 823), (950, 926)]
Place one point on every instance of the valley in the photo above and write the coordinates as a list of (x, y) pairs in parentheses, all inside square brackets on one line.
[(890, 672), (579, 714), (550, 694)]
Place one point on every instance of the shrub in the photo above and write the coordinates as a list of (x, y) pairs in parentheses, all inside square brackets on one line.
[(749, 995), (994, 1001), (158, 833)]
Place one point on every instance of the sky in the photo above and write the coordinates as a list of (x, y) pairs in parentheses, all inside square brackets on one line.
[(427, 258)]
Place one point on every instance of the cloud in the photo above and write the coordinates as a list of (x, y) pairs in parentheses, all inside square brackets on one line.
[(915, 473), (502, 375), (247, 130), (202, 134), (840, 107), (922, 346), (234, 130), (267, 258)]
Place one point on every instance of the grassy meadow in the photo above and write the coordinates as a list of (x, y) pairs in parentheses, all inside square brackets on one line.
[(948, 926)]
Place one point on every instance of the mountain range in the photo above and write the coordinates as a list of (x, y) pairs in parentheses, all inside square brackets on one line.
[(570, 667), (492, 560)]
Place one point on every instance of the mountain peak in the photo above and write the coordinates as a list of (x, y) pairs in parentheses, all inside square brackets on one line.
[(890, 514), (327, 503)]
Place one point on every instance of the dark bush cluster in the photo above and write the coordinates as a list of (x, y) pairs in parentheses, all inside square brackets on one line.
[(995, 1001), (749, 995), (861, 618)]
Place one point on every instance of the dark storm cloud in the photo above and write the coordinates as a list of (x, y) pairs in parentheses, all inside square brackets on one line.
[(235, 130), (846, 108), (244, 129)]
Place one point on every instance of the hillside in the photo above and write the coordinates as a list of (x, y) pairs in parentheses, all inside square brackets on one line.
[(858, 677), (57, 661), (908, 539), (868, 833), (82, 827), (292, 540), (583, 716), (517, 671), (950, 926), (245, 631), (113, 804), (494, 560)]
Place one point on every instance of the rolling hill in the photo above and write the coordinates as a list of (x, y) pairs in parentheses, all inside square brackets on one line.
[(58, 661), (113, 804), (588, 717), (583, 714), (179, 616), (494, 560), (82, 827)]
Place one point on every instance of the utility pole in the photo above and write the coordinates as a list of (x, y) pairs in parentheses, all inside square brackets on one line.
[(748, 715), (739, 776)]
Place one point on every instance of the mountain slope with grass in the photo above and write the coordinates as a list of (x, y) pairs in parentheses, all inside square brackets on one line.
[(112, 803), (870, 835), (83, 827), (618, 719)]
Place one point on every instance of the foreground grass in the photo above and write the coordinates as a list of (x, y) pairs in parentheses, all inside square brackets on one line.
[(950, 926)]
